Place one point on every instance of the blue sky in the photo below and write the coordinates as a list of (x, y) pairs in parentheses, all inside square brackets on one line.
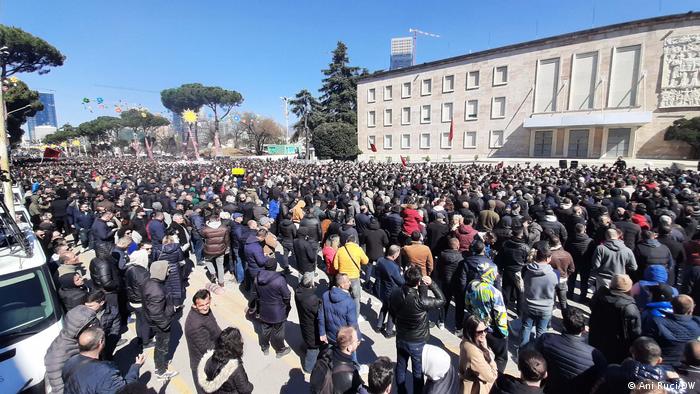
[(268, 49)]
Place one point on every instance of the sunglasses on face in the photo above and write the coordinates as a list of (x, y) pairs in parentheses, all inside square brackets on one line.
[(479, 332)]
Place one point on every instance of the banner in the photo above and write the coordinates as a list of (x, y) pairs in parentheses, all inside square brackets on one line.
[(237, 171)]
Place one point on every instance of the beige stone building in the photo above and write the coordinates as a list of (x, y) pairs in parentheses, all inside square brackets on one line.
[(599, 93)]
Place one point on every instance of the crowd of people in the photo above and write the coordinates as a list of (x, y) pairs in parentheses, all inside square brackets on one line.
[(486, 252)]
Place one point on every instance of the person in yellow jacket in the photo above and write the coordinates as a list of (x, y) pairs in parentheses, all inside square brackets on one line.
[(348, 260)]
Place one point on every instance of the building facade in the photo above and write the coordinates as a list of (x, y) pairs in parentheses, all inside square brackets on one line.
[(401, 53), (599, 93), (45, 117)]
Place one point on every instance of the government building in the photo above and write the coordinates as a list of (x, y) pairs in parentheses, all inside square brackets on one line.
[(599, 93)]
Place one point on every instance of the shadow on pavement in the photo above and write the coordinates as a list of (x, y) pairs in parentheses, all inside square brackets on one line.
[(296, 384)]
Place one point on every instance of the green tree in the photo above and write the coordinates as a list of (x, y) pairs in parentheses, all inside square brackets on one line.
[(62, 134), (261, 131), (26, 53), (101, 128), (220, 101), (21, 103), (146, 123), (308, 110), (335, 140), (686, 130), (187, 96)]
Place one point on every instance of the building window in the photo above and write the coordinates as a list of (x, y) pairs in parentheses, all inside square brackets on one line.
[(371, 119), (498, 107), (471, 110), (425, 141), (583, 81), (547, 85), (425, 114), (470, 139), (388, 141), (426, 87), (406, 90), (371, 140), (406, 115), (447, 112), (388, 91), (445, 142), (387, 117), (496, 139), (625, 77), (473, 80), (448, 84), (543, 143), (405, 141), (371, 95), (500, 75)]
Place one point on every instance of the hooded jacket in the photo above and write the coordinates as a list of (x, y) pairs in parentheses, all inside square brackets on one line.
[(653, 275), (304, 253), (273, 297), (254, 255), (216, 239), (672, 332), (613, 257), (173, 282), (66, 344), (135, 276), (338, 310), (539, 280), (615, 322), (308, 304), (158, 308), (411, 221), (437, 368), (485, 301), (652, 252), (287, 231), (392, 222), (375, 240), (581, 248), (298, 211), (618, 377), (448, 264), (465, 234), (229, 378), (552, 225)]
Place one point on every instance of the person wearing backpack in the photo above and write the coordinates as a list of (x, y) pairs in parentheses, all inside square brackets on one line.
[(335, 371)]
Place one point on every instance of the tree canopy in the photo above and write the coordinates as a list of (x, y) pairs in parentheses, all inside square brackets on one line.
[(146, 122), (308, 110), (26, 53), (687, 130), (100, 128), (260, 131), (339, 90), (187, 96), (21, 103), (336, 140)]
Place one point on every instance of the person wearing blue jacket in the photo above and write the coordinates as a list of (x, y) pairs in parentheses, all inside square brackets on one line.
[(388, 278), (83, 220), (653, 275), (338, 310), (274, 305), (673, 330), (254, 255)]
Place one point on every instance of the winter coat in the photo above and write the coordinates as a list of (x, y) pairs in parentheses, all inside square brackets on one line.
[(471, 269), (338, 310), (440, 375), (174, 284), (308, 304), (613, 257), (447, 266), (158, 308), (652, 252), (508, 384), (349, 258), (672, 332), (477, 374), (465, 234), (156, 231), (653, 275), (562, 262), (631, 233), (573, 366), (254, 255), (618, 377), (70, 294), (389, 278), (229, 378), (216, 239), (552, 226), (135, 276), (298, 211), (614, 324), (305, 255), (393, 224), (201, 332), (485, 301), (105, 275), (83, 220), (411, 221), (347, 231), (65, 345), (273, 297), (287, 231), (101, 232), (419, 255), (581, 248), (539, 280), (375, 240), (409, 307), (513, 255), (95, 376), (313, 227)]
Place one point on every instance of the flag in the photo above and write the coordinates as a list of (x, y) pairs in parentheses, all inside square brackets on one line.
[(403, 161), (373, 147), (50, 153), (452, 130)]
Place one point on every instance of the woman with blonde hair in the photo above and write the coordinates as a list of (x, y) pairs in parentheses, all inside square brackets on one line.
[(477, 367)]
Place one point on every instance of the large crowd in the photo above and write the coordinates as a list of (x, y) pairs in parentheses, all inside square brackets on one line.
[(487, 252)]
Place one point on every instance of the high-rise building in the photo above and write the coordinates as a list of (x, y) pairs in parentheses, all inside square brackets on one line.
[(45, 117), (401, 52)]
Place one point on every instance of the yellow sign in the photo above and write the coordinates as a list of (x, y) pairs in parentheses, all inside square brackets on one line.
[(238, 171)]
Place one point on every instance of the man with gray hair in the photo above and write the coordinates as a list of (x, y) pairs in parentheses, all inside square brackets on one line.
[(611, 258), (85, 373)]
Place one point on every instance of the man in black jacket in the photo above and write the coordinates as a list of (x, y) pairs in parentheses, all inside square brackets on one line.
[(447, 265), (135, 276), (305, 253), (345, 377), (631, 232), (159, 311), (307, 307), (201, 331), (510, 262), (409, 307), (375, 240), (102, 233), (581, 248), (109, 321), (69, 280), (573, 365), (437, 232), (105, 276)]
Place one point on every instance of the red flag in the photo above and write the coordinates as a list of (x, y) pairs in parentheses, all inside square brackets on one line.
[(50, 153), (452, 130), (403, 161), (373, 147)]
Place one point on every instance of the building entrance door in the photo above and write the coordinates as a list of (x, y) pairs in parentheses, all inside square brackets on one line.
[(578, 143), (618, 142), (543, 143)]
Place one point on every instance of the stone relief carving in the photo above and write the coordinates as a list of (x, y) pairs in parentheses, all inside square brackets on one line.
[(680, 84)]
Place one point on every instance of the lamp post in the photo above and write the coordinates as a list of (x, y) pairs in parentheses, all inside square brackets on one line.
[(4, 150), (286, 120)]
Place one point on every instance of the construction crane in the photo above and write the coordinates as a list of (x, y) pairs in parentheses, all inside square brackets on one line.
[(416, 32)]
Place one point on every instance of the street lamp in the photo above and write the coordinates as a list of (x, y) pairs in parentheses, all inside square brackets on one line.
[(286, 119)]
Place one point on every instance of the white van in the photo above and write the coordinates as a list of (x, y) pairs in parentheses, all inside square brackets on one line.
[(30, 310)]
